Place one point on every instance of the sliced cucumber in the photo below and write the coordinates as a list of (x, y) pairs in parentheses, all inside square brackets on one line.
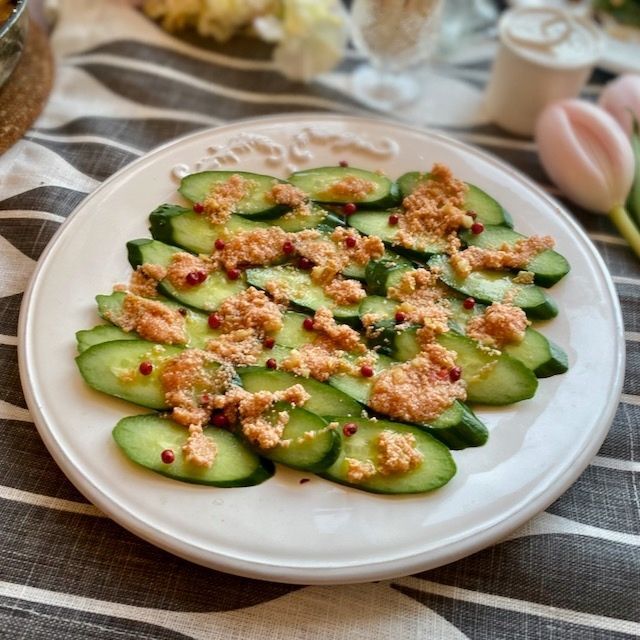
[(535, 351), (295, 221), (324, 399), (383, 274), (547, 267), (293, 334), (102, 333), (384, 308), (311, 445), (206, 296), (458, 427), (256, 204), (317, 184), (144, 438), (489, 210), (185, 228), (301, 290), (356, 386), (539, 354), (494, 286), (196, 323), (436, 469), (376, 223), (491, 379), (113, 368)]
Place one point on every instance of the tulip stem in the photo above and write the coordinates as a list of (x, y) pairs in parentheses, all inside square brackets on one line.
[(627, 228)]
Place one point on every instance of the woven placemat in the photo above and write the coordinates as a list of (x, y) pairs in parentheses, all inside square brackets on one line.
[(25, 93)]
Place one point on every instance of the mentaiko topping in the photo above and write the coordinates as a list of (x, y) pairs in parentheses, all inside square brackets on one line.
[(286, 194), (199, 450), (418, 390), (319, 360), (434, 211), (397, 453), (359, 470), (250, 309), (499, 325), (515, 256), (258, 247), (345, 292), (359, 249), (151, 320), (184, 264), (237, 347), (422, 300), (349, 188), (144, 280), (252, 408), (341, 336), (223, 197), (185, 378)]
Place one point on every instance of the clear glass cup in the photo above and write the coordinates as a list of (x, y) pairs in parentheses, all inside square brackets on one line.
[(394, 35)]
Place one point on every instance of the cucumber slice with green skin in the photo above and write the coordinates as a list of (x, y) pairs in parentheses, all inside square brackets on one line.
[(376, 223), (384, 308), (436, 469), (458, 427), (489, 210), (535, 351), (303, 452), (185, 228), (293, 334), (196, 323), (206, 296), (256, 204), (181, 227), (547, 267), (318, 216), (113, 368), (491, 378), (356, 386), (324, 398), (316, 183), (493, 286), (383, 274), (99, 334), (144, 438), (301, 290)]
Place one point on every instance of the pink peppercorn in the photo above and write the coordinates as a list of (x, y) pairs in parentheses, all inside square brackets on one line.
[(167, 456), (145, 368), (349, 208)]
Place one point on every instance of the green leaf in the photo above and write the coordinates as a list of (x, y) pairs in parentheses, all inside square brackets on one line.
[(633, 201)]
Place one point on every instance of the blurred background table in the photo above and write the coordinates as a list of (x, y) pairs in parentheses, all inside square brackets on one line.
[(122, 87)]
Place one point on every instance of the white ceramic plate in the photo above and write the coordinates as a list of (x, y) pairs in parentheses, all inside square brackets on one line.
[(318, 532)]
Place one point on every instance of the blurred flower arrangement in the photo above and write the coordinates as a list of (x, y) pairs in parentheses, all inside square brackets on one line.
[(309, 35)]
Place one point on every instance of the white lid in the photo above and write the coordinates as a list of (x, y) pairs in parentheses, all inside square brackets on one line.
[(551, 37)]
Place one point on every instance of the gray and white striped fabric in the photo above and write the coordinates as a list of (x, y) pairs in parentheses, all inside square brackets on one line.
[(66, 571)]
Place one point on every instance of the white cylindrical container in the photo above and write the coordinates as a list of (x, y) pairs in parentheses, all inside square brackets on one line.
[(545, 54)]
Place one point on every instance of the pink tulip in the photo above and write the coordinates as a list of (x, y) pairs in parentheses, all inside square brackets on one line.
[(588, 155), (621, 98)]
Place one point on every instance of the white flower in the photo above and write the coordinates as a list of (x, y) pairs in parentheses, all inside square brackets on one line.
[(313, 40)]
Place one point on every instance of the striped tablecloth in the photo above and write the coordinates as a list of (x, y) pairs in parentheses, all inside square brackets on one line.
[(66, 571)]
